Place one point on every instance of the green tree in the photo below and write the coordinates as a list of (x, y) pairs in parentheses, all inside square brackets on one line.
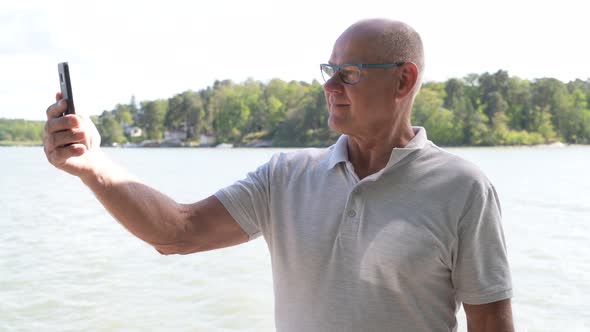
[(193, 104), (110, 129), (576, 117), (123, 114), (151, 118), (233, 114), (519, 99), (543, 125), (552, 95), (21, 131), (428, 111)]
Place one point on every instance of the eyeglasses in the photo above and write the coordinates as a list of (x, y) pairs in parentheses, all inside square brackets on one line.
[(350, 73)]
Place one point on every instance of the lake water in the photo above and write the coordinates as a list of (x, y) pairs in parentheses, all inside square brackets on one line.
[(66, 265)]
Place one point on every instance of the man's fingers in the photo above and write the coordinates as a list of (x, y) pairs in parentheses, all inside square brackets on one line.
[(63, 131), (57, 96), (65, 137), (62, 123), (57, 109)]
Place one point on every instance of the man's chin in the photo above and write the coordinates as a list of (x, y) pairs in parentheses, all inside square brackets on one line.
[(337, 125)]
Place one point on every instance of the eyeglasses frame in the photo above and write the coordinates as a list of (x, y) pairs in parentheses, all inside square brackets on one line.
[(360, 66)]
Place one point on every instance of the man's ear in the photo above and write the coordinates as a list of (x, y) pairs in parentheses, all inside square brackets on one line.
[(408, 79)]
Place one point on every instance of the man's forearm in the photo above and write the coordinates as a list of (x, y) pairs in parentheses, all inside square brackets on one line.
[(144, 211), (492, 326), (490, 317)]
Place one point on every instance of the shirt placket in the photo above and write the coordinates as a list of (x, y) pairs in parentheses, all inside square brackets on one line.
[(353, 207)]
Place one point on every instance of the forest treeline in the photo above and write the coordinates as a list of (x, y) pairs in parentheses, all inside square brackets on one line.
[(477, 110)]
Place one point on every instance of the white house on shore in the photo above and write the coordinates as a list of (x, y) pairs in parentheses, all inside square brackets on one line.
[(133, 131), (207, 140), (175, 135)]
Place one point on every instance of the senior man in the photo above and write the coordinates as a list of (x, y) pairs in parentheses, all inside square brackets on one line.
[(383, 231)]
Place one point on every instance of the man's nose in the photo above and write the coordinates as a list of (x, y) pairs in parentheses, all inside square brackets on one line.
[(334, 84)]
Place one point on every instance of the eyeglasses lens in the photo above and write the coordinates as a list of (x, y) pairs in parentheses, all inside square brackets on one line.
[(327, 72), (350, 74)]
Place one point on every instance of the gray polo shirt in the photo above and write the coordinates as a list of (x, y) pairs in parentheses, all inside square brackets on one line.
[(396, 251)]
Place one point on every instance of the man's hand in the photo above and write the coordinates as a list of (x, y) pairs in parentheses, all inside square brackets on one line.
[(71, 142)]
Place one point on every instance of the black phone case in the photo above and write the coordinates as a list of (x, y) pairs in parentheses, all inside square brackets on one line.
[(66, 86)]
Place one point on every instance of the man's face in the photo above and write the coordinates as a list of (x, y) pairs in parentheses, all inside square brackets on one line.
[(367, 106)]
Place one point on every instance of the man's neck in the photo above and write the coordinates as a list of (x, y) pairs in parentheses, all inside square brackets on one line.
[(369, 155)]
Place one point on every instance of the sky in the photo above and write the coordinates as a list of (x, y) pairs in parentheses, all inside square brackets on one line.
[(156, 49)]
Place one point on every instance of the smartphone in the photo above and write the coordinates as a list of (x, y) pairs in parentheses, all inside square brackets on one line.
[(66, 86)]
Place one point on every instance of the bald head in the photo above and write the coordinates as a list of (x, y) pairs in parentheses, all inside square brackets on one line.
[(389, 41)]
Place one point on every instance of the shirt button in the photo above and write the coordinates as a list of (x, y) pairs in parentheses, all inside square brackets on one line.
[(351, 213)]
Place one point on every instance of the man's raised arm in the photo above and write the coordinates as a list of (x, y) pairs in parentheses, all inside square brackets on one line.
[(72, 144)]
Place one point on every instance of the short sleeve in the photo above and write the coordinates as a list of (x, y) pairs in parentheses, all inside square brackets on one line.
[(247, 200), (481, 272)]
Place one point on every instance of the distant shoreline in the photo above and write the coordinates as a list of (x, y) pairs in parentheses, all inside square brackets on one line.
[(16, 144), (37, 144)]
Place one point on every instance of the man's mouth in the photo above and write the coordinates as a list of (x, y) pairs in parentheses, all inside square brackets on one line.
[(339, 105)]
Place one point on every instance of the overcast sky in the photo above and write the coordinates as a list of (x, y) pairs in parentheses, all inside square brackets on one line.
[(155, 49)]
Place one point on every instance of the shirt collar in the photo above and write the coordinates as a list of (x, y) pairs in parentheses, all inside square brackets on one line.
[(339, 151), (418, 141), (340, 148)]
